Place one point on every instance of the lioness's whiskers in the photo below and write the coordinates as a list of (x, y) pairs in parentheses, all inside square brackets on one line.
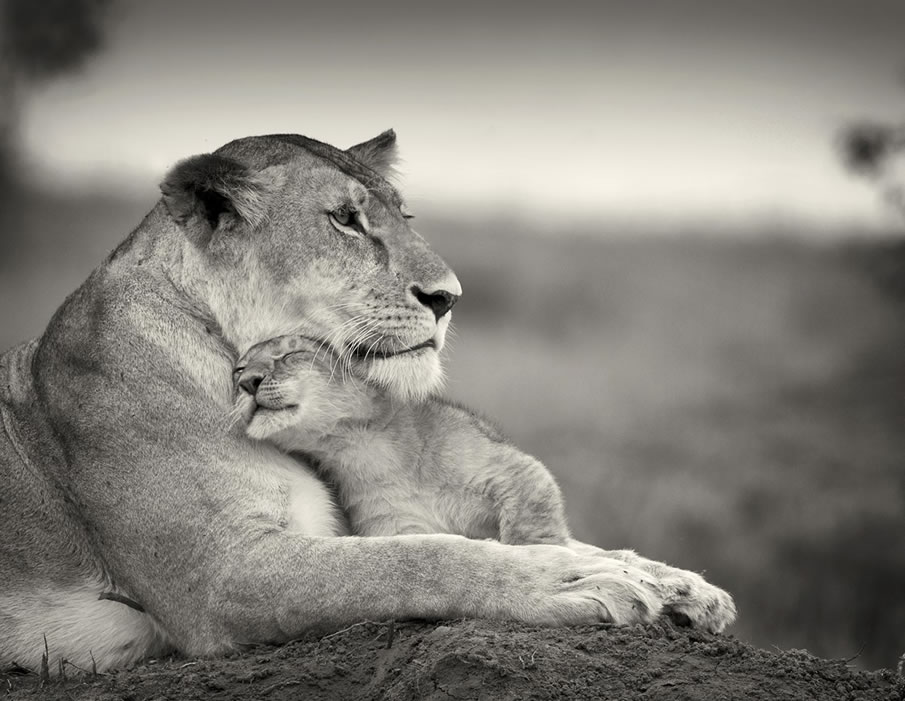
[(370, 329), (363, 334), (346, 305), (338, 332), (350, 328), (371, 347)]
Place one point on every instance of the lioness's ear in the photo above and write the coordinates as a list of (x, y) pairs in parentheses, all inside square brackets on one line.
[(213, 192), (379, 153)]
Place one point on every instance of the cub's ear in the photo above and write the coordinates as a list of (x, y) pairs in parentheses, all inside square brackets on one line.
[(213, 192), (379, 153)]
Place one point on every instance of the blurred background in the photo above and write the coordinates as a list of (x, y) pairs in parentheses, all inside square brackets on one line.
[(678, 225)]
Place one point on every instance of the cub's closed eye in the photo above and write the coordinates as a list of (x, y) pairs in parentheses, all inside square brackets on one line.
[(406, 214)]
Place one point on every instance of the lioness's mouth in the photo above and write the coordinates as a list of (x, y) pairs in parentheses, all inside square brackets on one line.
[(364, 353), (260, 409)]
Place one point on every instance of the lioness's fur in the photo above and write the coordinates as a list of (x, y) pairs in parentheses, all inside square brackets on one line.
[(134, 518), (399, 467)]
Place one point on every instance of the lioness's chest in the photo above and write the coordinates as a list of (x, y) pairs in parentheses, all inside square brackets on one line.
[(307, 505)]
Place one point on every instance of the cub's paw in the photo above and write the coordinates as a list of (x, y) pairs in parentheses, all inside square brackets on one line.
[(688, 599)]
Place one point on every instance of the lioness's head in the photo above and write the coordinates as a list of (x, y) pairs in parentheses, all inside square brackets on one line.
[(286, 235)]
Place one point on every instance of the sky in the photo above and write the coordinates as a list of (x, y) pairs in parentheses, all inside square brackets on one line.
[(662, 109)]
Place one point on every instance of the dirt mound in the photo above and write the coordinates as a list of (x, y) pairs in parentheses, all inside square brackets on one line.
[(487, 660)]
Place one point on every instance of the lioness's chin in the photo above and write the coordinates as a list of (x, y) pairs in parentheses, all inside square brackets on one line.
[(407, 377)]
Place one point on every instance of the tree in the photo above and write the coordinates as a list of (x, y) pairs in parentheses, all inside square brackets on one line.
[(869, 149), (40, 40)]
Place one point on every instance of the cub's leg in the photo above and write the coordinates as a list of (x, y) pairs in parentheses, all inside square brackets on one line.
[(526, 498), (686, 596)]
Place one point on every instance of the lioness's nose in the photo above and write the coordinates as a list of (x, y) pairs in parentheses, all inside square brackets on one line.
[(438, 301), (440, 296), (250, 382)]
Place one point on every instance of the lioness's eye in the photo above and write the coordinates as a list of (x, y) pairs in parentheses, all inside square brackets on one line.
[(347, 220), (344, 215)]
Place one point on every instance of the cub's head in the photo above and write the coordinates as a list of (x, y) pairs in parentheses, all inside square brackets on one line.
[(284, 235), (292, 390)]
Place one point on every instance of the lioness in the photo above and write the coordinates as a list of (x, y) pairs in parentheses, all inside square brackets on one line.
[(135, 518)]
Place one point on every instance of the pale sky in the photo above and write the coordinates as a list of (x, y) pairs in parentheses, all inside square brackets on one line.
[(669, 108)]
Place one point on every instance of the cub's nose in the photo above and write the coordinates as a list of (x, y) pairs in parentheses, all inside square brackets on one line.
[(250, 382)]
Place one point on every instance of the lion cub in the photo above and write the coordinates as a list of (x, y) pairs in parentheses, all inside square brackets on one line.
[(399, 468)]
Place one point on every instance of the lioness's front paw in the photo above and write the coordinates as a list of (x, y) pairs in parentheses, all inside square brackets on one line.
[(689, 599), (577, 590), (624, 596)]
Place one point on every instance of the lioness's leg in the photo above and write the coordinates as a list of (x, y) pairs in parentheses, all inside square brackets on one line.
[(221, 562), (683, 592), (286, 585), (77, 627)]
